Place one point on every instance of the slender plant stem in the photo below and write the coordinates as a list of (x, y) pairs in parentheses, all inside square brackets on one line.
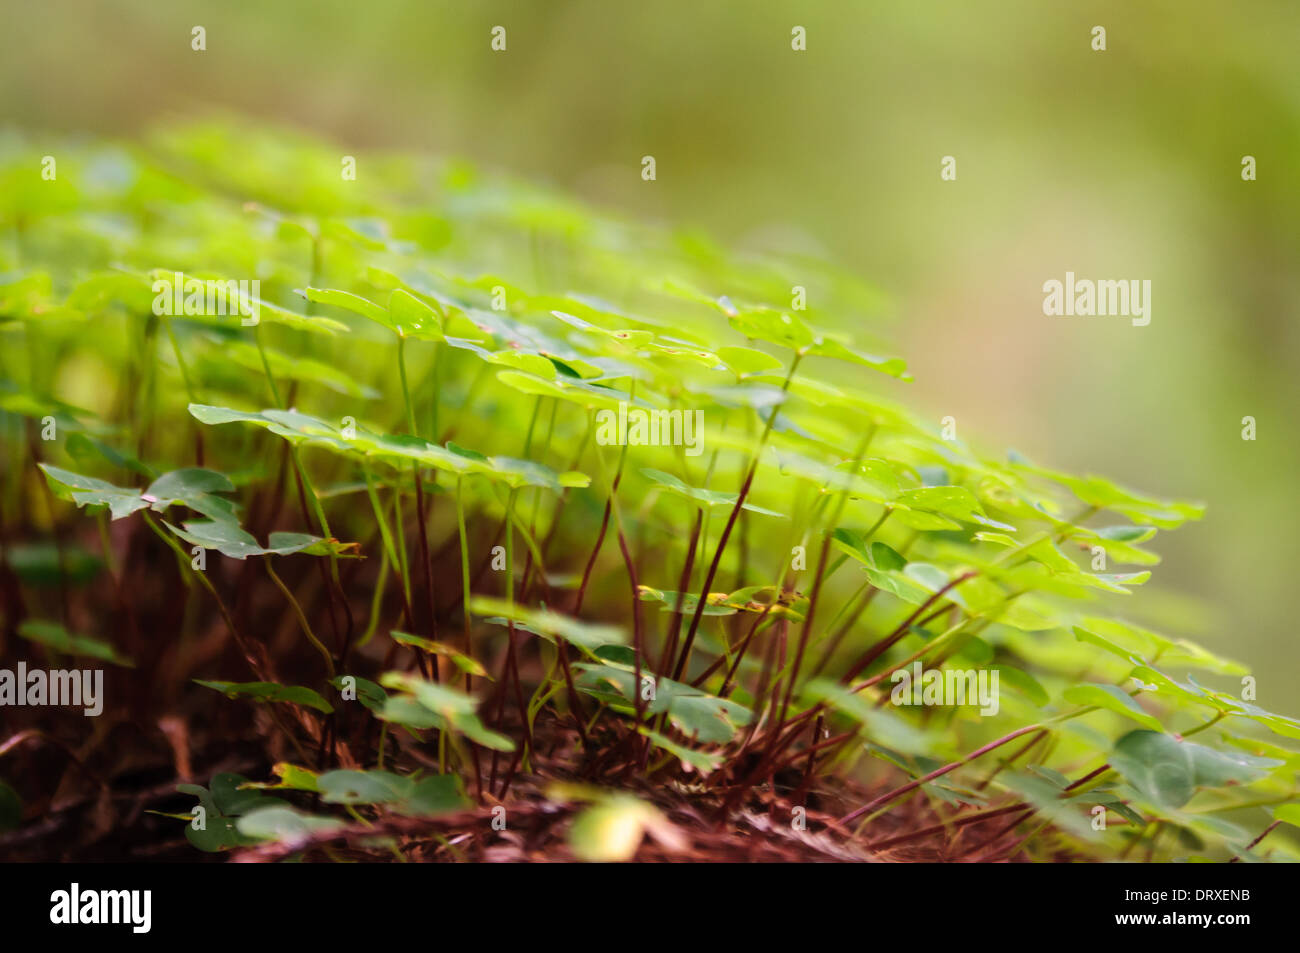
[(806, 629), (937, 773), (726, 532), (464, 571), (253, 663), (302, 619), (1267, 831)]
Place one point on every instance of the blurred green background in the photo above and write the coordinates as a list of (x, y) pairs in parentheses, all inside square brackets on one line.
[(1117, 164)]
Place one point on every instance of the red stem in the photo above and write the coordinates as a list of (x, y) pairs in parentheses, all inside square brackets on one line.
[(937, 773)]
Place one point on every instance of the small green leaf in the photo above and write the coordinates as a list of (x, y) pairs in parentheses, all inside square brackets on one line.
[(270, 692), (350, 302), (88, 491), (1168, 771), (55, 636), (434, 795), (700, 761), (1288, 813), (611, 830), (283, 823), (411, 316), (292, 778), (459, 658), (774, 327), (708, 498), (431, 705), (363, 787), (747, 360), (547, 623), (1113, 699), (697, 714), (370, 694)]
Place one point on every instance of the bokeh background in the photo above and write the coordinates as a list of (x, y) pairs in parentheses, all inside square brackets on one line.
[(1117, 164)]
